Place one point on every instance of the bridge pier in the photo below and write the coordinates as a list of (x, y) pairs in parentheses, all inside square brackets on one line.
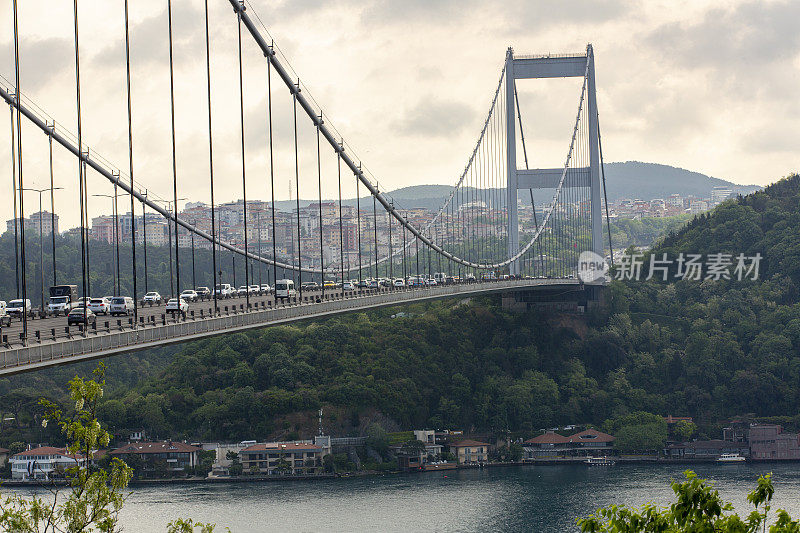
[(577, 299)]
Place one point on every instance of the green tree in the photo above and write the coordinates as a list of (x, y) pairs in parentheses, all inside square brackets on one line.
[(94, 497), (685, 429), (698, 508)]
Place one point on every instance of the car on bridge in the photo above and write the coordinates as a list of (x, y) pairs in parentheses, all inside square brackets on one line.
[(415, 281), (254, 289), (100, 305), (265, 288), (430, 282), (224, 290), (309, 286), (348, 286), (284, 288), (470, 278), (203, 292), (151, 298), (399, 282), (76, 316), (189, 295), (177, 305), (330, 284), (5, 320), (121, 305), (15, 308)]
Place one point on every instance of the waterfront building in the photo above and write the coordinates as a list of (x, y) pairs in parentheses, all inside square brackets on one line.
[(549, 444), (470, 451), (705, 449), (768, 442), (44, 463), (282, 458), (167, 456)]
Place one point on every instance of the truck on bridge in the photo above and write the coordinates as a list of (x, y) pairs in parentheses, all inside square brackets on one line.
[(62, 299)]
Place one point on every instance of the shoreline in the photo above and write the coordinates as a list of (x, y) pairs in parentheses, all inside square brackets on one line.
[(8, 483)]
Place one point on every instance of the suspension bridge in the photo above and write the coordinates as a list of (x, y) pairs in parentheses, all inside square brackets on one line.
[(488, 236)]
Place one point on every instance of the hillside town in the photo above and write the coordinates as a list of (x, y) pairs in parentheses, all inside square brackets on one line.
[(344, 226)]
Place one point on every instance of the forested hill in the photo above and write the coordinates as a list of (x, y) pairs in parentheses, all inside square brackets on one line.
[(707, 349)]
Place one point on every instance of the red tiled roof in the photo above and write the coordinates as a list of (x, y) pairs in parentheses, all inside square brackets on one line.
[(47, 450), (280, 446), (468, 442), (591, 435), (155, 447), (548, 438)]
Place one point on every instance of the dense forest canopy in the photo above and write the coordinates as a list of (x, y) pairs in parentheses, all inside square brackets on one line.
[(707, 349)]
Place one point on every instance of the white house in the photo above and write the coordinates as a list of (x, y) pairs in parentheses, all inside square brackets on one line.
[(43, 463)]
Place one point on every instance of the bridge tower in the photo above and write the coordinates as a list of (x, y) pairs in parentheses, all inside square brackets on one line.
[(551, 66)]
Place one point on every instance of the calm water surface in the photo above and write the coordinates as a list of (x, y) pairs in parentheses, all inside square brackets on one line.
[(530, 498)]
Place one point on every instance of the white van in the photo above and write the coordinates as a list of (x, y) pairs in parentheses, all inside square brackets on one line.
[(224, 290), (5, 320), (121, 305), (440, 277), (284, 288), (16, 308)]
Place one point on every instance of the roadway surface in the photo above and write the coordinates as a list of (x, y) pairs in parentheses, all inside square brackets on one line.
[(156, 313)]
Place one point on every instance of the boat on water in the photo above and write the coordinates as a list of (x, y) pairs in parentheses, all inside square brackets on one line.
[(730, 458), (599, 461)]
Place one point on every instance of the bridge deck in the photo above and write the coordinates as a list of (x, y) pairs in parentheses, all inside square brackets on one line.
[(101, 344)]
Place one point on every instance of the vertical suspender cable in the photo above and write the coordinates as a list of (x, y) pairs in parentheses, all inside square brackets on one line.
[(605, 191), (21, 183), (116, 235), (144, 241), (271, 173), (297, 193), (244, 172), (319, 187), (80, 166), (358, 228), (525, 154), (14, 195), (211, 165), (52, 204), (341, 226), (174, 159), (391, 257), (375, 230)]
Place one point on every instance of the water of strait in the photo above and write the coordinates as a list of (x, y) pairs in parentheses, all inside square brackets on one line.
[(528, 498)]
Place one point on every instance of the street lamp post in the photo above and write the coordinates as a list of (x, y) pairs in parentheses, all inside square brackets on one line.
[(41, 245)]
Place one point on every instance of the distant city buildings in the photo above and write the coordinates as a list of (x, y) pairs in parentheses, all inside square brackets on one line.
[(31, 224), (294, 234)]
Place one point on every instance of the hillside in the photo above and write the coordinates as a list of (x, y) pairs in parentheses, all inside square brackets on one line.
[(629, 179), (707, 349), (634, 179)]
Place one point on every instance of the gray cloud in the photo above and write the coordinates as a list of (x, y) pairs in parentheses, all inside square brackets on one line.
[(748, 35), (434, 118), (42, 60), (150, 39)]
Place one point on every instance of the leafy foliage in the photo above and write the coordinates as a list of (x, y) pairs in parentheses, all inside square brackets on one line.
[(699, 508)]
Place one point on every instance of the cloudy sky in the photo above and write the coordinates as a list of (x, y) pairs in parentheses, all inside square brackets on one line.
[(708, 86)]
